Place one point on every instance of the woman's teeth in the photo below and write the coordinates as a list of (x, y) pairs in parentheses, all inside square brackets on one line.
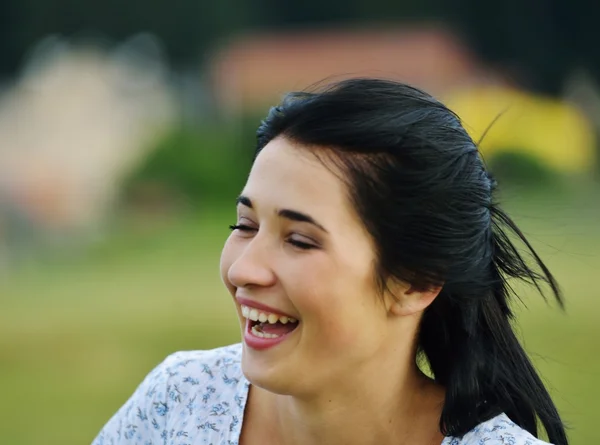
[(263, 317), (260, 334)]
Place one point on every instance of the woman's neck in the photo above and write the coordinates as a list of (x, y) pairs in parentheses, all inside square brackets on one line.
[(380, 410)]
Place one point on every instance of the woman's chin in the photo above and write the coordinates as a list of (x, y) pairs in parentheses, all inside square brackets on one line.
[(269, 376)]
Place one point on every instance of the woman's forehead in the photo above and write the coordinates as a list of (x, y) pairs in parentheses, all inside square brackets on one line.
[(286, 171), (287, 175)]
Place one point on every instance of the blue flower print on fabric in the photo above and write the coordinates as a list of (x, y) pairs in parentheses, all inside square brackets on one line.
[(198, 398)]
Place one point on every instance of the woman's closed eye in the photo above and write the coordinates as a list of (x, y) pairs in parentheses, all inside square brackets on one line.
[(295, 240), (242, 228), (301, 242)]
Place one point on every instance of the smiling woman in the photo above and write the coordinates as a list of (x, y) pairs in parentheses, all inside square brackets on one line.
[(367, 236)]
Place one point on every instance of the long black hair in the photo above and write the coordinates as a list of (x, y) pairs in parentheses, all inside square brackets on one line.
[(421, 188)]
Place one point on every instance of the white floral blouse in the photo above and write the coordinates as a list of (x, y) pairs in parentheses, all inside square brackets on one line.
[(198, 398)]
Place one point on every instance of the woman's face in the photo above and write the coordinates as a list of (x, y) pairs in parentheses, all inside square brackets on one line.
[(301, 252)]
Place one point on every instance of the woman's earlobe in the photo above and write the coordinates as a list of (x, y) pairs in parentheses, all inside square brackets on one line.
[(410, 300)]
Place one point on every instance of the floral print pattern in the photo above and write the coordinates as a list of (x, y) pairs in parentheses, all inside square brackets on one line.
[(198, 398)]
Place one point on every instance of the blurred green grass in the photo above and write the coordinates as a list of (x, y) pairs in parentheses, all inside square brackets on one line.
[(78, 335)]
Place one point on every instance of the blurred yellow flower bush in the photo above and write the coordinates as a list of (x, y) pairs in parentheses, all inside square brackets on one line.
[(552, 131)]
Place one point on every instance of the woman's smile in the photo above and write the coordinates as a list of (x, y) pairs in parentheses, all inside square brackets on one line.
[(265, 327)]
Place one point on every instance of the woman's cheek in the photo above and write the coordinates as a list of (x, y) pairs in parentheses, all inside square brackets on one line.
[(308, 285)]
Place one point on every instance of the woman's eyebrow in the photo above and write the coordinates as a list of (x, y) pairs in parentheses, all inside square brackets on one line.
[(292, 215), (244, 200)]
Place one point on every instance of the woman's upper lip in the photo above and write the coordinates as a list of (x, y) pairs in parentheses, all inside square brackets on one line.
[(253, 304)]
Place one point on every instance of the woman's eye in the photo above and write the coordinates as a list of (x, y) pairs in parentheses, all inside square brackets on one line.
[(301, 244), (242, 228)]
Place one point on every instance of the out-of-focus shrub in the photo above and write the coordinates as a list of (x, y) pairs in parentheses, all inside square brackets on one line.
[(512, 166), (192, 166), (554, 132)]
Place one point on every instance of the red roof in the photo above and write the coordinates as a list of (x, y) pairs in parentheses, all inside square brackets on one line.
[(255, 70)]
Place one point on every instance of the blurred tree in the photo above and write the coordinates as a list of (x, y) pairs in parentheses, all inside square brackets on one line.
[(543, 40), (187, 30), (310, 12), (12, 41)]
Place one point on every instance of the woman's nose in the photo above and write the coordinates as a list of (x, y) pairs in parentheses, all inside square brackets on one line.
[(253, 266)]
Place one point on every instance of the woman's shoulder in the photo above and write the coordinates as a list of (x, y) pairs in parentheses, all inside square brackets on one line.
[(499, 430), (210, 364), (205, 388), (201, 373)]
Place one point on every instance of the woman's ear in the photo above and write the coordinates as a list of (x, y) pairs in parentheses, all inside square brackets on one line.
[(405, 299)]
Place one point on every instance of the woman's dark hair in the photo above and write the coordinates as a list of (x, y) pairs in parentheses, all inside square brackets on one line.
[(420, 186)]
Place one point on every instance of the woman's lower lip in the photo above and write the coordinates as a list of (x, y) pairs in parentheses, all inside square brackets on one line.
[(259, 343)]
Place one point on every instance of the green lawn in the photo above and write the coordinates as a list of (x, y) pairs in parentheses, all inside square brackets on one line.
[(77, 336)]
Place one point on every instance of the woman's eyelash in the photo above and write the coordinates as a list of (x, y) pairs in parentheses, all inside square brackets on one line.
[(241, 227), (301, 245), (295, 243)]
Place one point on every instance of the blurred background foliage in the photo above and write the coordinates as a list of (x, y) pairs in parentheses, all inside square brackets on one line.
[(126, 132), (197, 167), (539, 40)]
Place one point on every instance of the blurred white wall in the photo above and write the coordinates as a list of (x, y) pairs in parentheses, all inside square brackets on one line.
[(72, 126)]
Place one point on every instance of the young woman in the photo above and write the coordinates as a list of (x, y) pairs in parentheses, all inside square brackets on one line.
[(367, 238)]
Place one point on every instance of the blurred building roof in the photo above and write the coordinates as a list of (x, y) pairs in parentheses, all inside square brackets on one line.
[(255, 70)]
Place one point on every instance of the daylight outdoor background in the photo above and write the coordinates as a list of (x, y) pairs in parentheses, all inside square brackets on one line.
[(127, 129)]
